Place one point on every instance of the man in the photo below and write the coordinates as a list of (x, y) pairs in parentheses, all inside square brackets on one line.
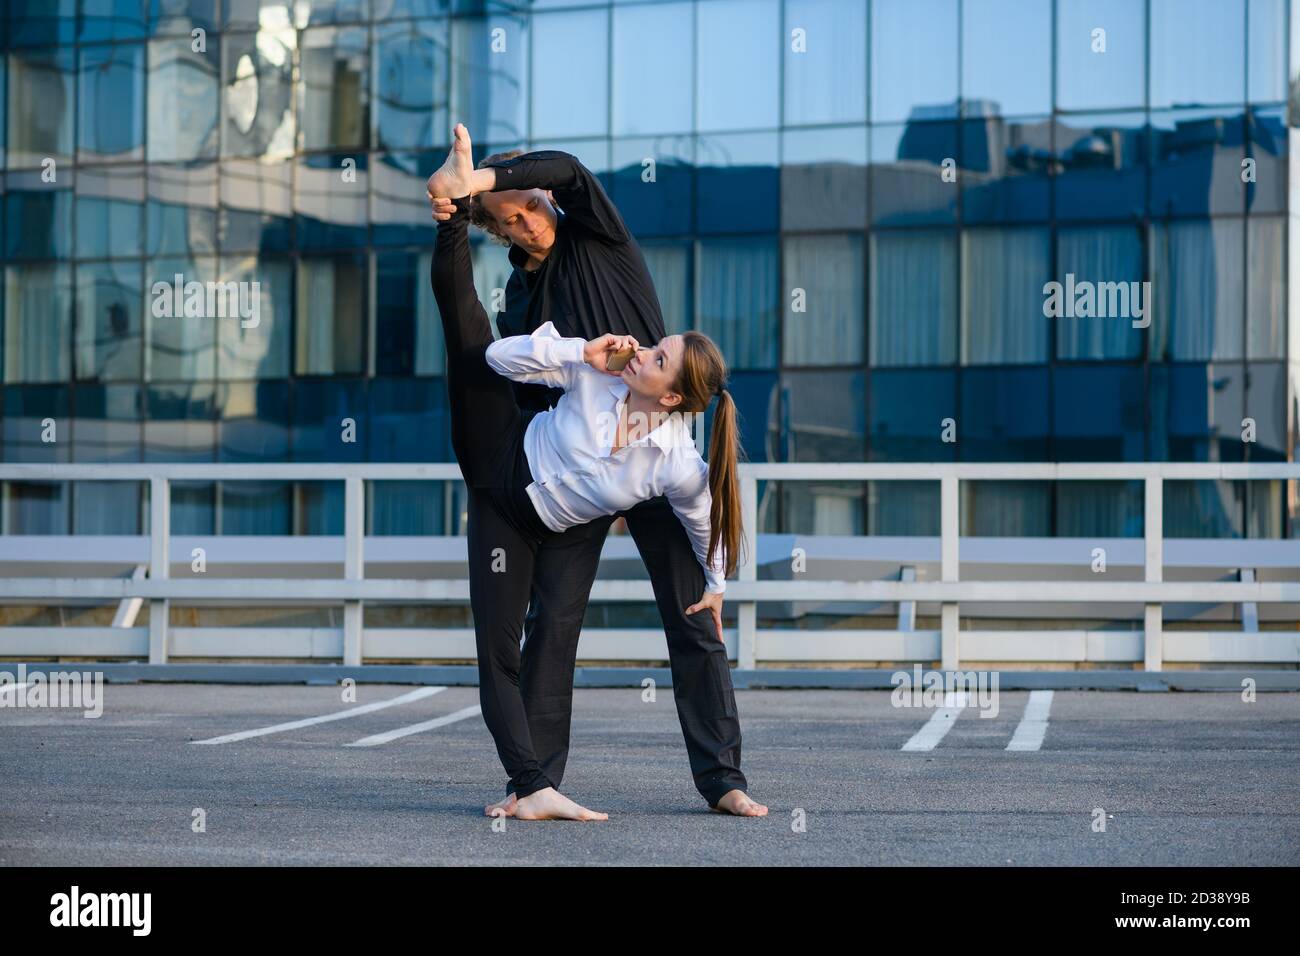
[(579, 267)]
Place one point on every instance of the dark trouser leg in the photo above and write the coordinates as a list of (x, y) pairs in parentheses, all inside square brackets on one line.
[(706, 702), (501, 564), (564, 571)]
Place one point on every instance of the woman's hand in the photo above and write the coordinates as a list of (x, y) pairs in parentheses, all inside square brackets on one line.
[(599, 351), (713, 601)]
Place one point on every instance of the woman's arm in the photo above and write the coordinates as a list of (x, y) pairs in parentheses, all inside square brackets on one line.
[(546, 356)]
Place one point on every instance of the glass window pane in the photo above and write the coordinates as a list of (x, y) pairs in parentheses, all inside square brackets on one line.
[(670, 269), (1100, 70), (737, 181), (1196, 163), (826, 419), (1196, 279), (824, 300), (649, 42), (37, 507), (1099, 413), (574, 100), (181, 210), (334, 66), (35, 423), (330, 201), (183, 90), (1197, 47), (736, 82), (1267, 55), (257, 93), (250, 14), (736, 299), (42, 104), (1004, 170), (824, 178), (913, 298), (112, 20), (1006, 509), (1099, 509), (107, 426), (256, 205), (1196, 413), (110, 211), (410, 98), (319, 408), (1266, 280), (41, 22), (409, 420), (399, 209), (180, 426), (914, 59), (256, 507), (253, 421), (1003, 273), (180, 17), (1266, 402), (908, 408), (1006, 57), (1102, 166), (109, 319), (1268, 148), (38, 323), (182, 333), (408, 332), (908, 187), (489, 77), (38, 216), (1101, 295), (255, 343), (826, 66), (331, 313), (1003, 414), (653, 184), (111, 110)]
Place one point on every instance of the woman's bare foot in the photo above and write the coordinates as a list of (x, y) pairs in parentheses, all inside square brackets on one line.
[(455, 178), (502, 808), (550, 804), (737, 803)]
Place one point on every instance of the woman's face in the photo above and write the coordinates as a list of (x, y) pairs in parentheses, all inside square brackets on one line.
[(652, 371)]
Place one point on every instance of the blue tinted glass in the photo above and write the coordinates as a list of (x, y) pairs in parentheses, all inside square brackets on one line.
[(1196, 412), (256, 200), (38, 323), (332, 296), (177, 17), (254, 341), (669, 264), (1266, 279), (257, 507), (1267, 55), (654, 60), (825, 66), (824, 178), (1196, 163), (181, 338), (1100, 54), (574, 100), (1198, 286), (908, 186), (489, 69), (41, 22), (319, 410), (330, 201), (825, 417), (736, 83), (399, 208), (38, 217), (26, 408), (111, 110), (112, 19), (755, 395), (738, 295), (1003, 414), (110, 211), (908, 408), (1101, 295), (1003, 274), (1006, 509), (1006, 57), (1266, 399), (333, 91), (1099, 509), (653, 185), (42, 104), (1004, 170), (396, 290), (250, 14), (1099, 413), (1267, 146), (1197, 50), (257, 93), (181, 426), (913, 298), (183, 109), (181, 210), (109, 320), (1102, 166), (410, 98), (737, 181), (331, 11), (392, 9), (252, 421), (107, 425), (824, 300), (914, 60), (408, 420)]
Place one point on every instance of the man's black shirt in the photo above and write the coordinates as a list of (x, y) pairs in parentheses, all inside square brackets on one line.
[(593, 281)]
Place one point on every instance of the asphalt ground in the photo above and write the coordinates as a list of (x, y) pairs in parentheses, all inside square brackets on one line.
[(1201, 779)]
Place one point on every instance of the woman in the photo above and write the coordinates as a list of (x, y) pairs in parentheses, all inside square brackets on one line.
[(614, 439)]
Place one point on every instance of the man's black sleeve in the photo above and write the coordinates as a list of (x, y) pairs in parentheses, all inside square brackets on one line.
[(576, 189)]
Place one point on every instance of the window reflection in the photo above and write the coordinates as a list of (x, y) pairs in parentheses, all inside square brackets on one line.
[(1196, 163), (332, 91), (110, 211), (181, 210), (38, 323), (736, 83), (1197, 48), (42, 104), (649, 43), (410, 97), (823, 277), (183, 90), (111, 109), (908, 187), (913, 60), (1101, 168), (109, 310), (1004, 169), (257, 93), (826, 78), (1006, 57), (256, 201), (573, 101), (331, 315), (824, 178), (1100, 71), (330, 201), (489, 76), (913, 298)]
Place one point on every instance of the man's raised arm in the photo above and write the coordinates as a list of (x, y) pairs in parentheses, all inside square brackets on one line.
[(576, 188)]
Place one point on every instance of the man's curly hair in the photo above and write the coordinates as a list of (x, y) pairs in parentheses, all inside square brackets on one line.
[(478, 214)]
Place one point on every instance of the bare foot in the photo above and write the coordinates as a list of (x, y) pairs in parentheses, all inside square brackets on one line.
[(550, 804), (737, 803), (454, 179), (502, 808)]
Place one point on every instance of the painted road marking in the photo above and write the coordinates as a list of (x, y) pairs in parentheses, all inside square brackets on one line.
[(1033, 725), (407, 698), (937, 726), (416, 728)]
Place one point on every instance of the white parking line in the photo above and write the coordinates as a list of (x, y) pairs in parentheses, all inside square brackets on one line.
[(415, 728), (407, 698), (6, 688), (937, 726), (1033, 725)]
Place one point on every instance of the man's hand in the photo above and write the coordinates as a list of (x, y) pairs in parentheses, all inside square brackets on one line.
[(713, 601), (598, 351)]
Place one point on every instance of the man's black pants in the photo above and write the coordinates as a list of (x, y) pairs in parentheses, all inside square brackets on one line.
[(564, 569)]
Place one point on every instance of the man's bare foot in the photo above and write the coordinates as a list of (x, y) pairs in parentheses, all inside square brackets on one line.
[(737, 803), (455, 179), (550, 804), (502, 808)]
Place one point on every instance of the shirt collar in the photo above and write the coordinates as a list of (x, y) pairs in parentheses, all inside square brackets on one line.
[(668, 435)]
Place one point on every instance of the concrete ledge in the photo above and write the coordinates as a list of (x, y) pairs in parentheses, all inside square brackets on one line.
[(632, 676)]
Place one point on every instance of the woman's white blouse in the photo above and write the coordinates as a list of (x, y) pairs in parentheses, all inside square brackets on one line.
[(575, 477)]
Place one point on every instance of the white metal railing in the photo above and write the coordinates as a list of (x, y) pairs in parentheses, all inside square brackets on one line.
[(950, 645)]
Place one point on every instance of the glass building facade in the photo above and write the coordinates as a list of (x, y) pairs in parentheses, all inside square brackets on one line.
[(860, 200)]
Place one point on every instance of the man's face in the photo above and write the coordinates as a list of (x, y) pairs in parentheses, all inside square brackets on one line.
[(653, 371), (524, 216)]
